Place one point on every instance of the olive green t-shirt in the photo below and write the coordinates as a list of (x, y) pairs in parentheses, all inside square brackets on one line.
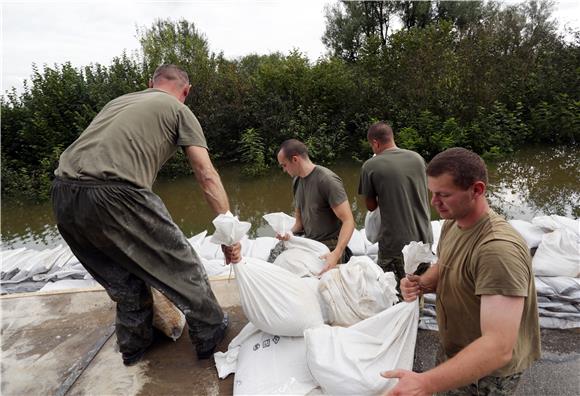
[(397, 179), (315, 195), (131, 138), (490, 258)]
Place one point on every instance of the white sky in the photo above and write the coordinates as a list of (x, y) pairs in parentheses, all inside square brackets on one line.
[(95, 31)]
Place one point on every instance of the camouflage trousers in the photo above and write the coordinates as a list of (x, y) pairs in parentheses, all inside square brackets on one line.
[(125, 238), (486, 386)]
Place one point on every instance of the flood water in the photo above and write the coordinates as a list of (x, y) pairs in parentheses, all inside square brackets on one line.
[(530, 183)]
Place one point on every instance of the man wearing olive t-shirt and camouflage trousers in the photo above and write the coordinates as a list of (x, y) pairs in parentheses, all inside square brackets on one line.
[(394, 180), (486, 302), (121, 231)]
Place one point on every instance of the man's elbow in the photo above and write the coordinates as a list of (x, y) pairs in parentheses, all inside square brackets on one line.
[(505, 352), (206, 176), (505, 357)]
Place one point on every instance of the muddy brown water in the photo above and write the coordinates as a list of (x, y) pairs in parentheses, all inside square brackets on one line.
[(529, 183)]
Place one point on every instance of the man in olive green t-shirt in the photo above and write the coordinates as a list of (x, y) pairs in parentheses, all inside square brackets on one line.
[(321, 205), (394, 181), (121, 231), (485, 292)]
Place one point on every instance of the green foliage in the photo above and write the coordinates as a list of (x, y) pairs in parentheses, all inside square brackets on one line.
[(481, 75), (252, 153)]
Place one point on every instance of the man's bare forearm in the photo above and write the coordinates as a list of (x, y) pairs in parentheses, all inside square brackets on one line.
[(213, 189)]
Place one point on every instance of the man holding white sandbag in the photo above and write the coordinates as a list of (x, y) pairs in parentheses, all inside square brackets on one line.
[(486, 298), (322, 210)]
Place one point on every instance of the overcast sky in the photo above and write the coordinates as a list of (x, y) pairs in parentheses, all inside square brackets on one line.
[(91, 31)]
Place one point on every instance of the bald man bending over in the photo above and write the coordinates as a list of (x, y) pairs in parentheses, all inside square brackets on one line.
[(121, 231)]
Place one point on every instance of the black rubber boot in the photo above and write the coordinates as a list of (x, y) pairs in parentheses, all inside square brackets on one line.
[(206, 348), (129, 359)]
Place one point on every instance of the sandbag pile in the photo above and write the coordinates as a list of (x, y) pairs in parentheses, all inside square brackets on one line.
[(26, 270), (558, 302), (285, 348), (555, 244)]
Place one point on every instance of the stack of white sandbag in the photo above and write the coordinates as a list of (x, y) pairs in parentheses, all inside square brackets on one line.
[(558, 302), (270, 355), (555, 241), (29, 269)]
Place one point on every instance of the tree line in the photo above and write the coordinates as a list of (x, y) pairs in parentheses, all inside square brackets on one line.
[(481, 75)]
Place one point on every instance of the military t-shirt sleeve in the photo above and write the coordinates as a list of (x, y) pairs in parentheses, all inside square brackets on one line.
[(189, 132), (334, 190), (501, 268), (365, 185)]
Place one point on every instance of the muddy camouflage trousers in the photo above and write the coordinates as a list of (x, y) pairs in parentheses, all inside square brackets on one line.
[(126, 239)]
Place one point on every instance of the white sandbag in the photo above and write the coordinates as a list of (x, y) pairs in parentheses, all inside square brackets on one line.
[(301, 262), (196, 240), (69, 284), (554, 222), (247, 244), (558, 254), (372, 249), (357, 244), (436, 226), (559, 287), (209, 250), (275, 300), (310, 245), (313, 284), (226, 362), (356, 290), (261, 247), (273, 365), (348, 361), (280, 222), (167, 318), (531, 233), (32, 263), (228, 229), (216, 267), (64, 262), (415, 253), (373, 225)]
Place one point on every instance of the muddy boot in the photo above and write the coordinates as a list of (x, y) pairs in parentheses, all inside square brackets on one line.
[(129, 359), (206, 348)]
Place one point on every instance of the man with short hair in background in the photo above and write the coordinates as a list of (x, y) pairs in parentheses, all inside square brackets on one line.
[(121, 231), (394, 181), (486, 301), (322, 210)]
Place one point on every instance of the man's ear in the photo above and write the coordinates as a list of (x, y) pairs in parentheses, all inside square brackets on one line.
[(479, 188), (186, 90), (150, 85)]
